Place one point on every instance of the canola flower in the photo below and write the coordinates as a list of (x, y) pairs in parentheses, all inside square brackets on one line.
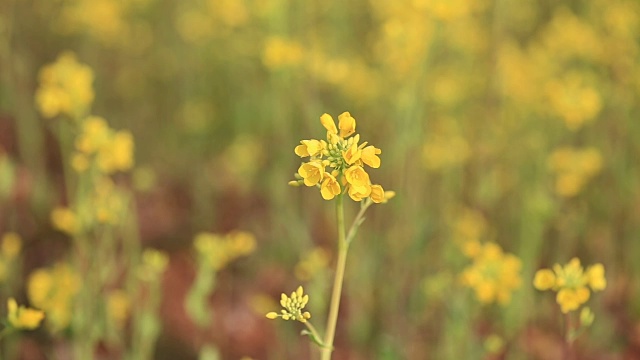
[(9, 250), (65, 87), (292, 307), (494, 275), (54, 290), (574, 168), (571, 282), (21, 317), (344, 157)]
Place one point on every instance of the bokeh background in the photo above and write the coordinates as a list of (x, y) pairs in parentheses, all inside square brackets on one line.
[(506, 121)]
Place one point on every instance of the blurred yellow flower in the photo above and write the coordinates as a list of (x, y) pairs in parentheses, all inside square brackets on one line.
[(65, 88), (65, 220), (21, 317), (493, 275), (574, 168), (281, 53), (219, 250), (118, 307), (54, 290), (293, 306), (571, 283)]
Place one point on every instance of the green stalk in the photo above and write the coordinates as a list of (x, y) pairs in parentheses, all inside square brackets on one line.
[(343, 247)]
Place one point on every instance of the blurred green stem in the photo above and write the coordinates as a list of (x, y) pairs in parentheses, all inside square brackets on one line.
[(343, 248)]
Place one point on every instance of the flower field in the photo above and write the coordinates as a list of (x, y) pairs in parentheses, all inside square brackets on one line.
[(184, 179)]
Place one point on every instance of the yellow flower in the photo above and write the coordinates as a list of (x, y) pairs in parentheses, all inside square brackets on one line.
[(330, 187), (64, 219), (293, 306), (377, 194), (311, 172), (571, 283), (359, 192), (309, 148), (219, 250), (493, 275), (345, 160), (22, 317), (370, 156), (53, 290), (118, 307), (347, 124), (357, 176), (327, 121), (352, 154)]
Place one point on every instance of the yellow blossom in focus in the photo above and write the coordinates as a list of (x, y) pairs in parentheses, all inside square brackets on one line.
[(65, 87), (293, 306), (21, 317), (493, 275), (312, 172), (345, 157), (330, 187), (571, 283)]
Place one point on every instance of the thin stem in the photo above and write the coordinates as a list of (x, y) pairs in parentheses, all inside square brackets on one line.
[(312, 329), (343, 247), (568, 345)]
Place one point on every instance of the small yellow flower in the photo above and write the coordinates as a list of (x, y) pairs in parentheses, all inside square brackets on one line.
[(359, 192), (309, 148), (65, 220), (571, 283), (352, 154), (21, 317), (293, 306), (357, 176), (347, 124), (545, 279), (311, 172), (377, 194), (327, 121), (370, 156), (330, 187)]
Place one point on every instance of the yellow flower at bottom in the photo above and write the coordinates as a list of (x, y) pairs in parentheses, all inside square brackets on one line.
[(330, 187), (358, 193), (356, 175), (571, 299), (21, 317), (293, 306)]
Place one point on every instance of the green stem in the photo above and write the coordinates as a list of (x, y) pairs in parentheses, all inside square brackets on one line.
[(343, 247)]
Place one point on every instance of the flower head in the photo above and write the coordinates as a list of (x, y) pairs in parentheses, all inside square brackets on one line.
[(571, 283), (21, 317), (293, 306), (493, 275), (337, 164)]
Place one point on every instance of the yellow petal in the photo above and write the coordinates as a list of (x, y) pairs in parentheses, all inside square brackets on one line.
[(545, 279), (327, 121)]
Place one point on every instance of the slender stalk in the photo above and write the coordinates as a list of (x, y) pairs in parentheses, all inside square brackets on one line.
[(568, 339), (343, 247)]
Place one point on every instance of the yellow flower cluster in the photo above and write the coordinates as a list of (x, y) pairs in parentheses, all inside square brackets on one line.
[(21, 317), (104, 206), (53, 290), (574, 167), (571, 283), (65, 88), (97, 143), (494, 275), (345, 157), (219, 250), (9, 250), (293, 306)]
